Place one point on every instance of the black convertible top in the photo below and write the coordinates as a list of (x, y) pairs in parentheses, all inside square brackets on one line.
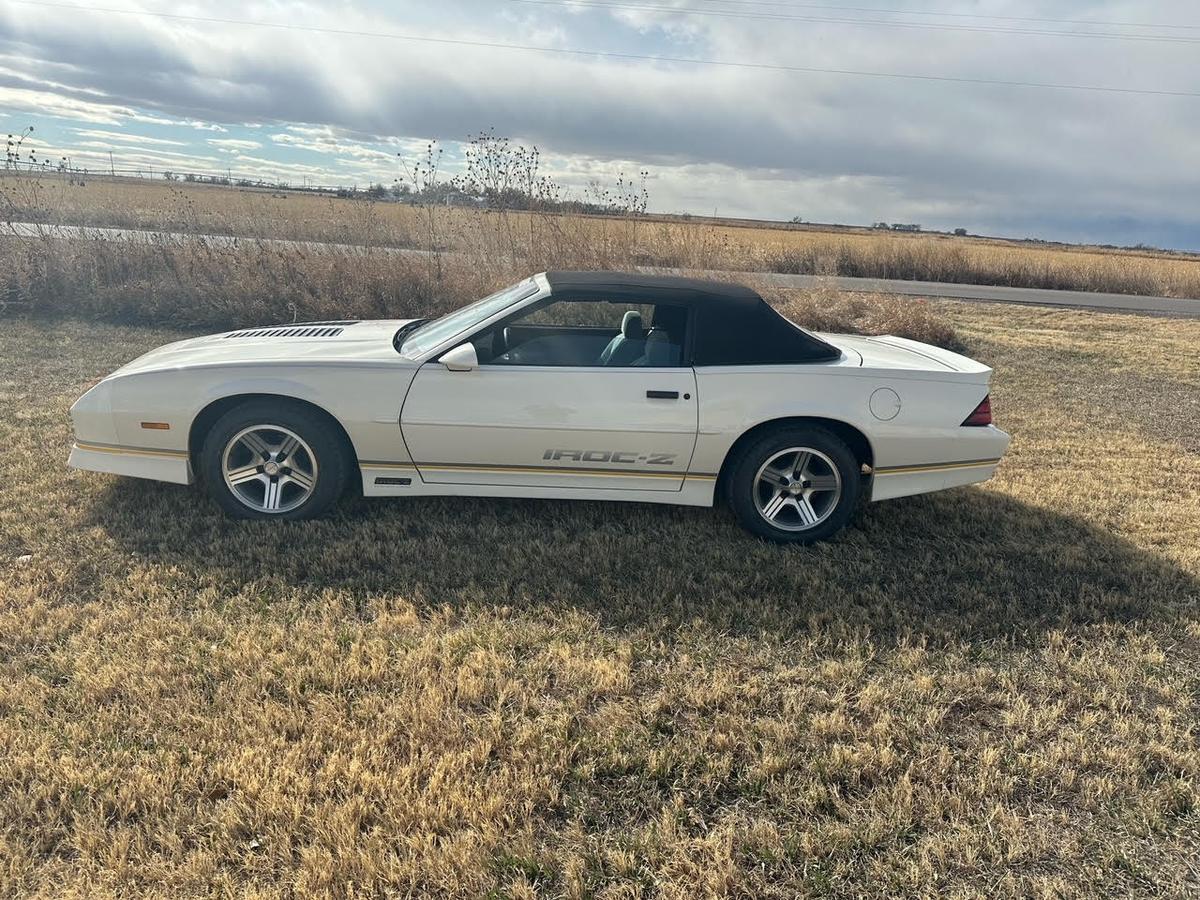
[(733, 324), (665, 288)]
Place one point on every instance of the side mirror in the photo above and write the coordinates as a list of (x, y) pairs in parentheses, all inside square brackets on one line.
[(462, 358)]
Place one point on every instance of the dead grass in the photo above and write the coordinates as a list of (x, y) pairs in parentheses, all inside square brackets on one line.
[(990, 691), (827, 309), (192, 283), (609, 243), (959, 261)]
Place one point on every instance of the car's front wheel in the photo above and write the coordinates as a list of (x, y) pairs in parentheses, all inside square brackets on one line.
[(795, 484), (274, 461)]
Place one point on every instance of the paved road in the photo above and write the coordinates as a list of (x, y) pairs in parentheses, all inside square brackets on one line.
[(1155, 306), (32, 230)]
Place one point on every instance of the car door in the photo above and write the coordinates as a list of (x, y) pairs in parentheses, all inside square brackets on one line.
[(570, 424)]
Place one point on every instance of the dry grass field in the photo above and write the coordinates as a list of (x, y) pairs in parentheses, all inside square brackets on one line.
[(192, 283), (533, 240), (990, 691)]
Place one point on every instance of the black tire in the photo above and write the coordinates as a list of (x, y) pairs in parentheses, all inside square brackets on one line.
[(831, 510), (322, 451)]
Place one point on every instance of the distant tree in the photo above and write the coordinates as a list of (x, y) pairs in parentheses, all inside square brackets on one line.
[(960, 232)]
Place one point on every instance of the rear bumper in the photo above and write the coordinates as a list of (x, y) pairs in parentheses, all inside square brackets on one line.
[(977, 460), (888, 484), (135, 462)]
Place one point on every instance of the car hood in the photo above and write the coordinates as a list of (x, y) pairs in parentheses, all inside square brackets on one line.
[(305, 343)]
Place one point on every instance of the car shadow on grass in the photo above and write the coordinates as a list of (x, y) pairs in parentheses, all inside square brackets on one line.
[(963, 565)]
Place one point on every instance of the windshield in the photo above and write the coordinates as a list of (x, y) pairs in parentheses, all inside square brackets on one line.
[(431, 334)]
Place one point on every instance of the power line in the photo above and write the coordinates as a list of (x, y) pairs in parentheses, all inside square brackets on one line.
[(935, 26), (952, 15), (605, 54)]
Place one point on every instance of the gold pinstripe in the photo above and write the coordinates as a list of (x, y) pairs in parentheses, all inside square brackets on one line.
[(936, 467), (535, 470), (546, 470), (130, 451)]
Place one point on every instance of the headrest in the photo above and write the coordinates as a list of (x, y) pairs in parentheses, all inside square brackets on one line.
[(631, 326)]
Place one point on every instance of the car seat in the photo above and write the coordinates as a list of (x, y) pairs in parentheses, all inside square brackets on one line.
[(628, 346)]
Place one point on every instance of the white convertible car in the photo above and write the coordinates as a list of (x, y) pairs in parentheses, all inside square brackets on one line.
[(588, 385)]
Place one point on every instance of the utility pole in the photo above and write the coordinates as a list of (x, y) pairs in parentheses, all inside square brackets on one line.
[(112, 169)]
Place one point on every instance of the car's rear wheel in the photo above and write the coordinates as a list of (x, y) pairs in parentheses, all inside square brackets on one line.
[(274, 461), (795, 484)]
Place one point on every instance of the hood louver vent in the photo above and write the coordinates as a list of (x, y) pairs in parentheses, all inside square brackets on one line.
[(318, 330)]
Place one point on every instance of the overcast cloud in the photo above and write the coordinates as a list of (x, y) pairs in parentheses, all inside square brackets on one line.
[(336, 108)]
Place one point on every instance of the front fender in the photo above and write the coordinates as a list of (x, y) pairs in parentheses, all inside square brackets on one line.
[(365, 401)]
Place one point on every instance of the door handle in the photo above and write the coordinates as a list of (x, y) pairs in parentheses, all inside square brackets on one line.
[(663, 395)]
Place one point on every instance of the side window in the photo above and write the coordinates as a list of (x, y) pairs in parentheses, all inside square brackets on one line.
[(587, 333)]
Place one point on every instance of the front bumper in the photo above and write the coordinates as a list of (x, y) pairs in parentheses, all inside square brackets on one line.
[(136, 462), (97, 447)]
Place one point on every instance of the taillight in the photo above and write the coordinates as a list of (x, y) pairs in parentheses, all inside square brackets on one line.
[(982, 414)]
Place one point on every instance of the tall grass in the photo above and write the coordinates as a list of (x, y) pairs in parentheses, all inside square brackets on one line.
[(605, 241), (935, 259), (193, 283), (826, 309)]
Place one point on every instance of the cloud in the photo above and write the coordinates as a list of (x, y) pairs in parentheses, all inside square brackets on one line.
[(127, 137), (47, 103), (743, 140), (234, 145), (63, 104), (333, 146)]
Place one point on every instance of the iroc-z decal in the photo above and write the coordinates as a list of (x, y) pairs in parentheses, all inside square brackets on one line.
[(624, 457)]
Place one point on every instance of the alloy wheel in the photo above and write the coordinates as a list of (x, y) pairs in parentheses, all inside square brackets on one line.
[(797, 489), (269, 468)]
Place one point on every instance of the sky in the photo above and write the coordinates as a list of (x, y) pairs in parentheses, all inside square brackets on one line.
[(332, 99)]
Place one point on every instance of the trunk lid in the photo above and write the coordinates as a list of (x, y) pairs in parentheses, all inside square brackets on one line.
[(901, 354)]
